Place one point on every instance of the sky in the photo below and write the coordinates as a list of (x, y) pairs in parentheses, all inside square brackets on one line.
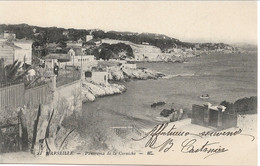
[(210, 21)]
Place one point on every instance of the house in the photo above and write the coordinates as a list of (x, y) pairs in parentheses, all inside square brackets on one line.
[(80, 41), (79, 58), (10, 52), (145, 43), (65, 33), (89, 37), (71, 44), (98, 77), (59, 59), (9, 35), (20, 50), (213, 116), (26, 49)]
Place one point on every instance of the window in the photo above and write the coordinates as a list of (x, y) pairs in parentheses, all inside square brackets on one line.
[(88, 74)]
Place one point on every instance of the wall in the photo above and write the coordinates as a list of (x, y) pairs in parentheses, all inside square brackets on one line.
[(68, 96), (23, 55), (100, 77), (87, 60), (25, 51), (197, 116), (37, 95), (7, 53)]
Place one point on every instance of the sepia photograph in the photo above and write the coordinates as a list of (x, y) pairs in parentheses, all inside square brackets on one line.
[(128, 82)]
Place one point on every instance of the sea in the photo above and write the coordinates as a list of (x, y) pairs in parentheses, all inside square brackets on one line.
[(222, 76)]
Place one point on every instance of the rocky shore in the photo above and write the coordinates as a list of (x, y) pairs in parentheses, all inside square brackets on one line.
[(90, 90), (117, 73)]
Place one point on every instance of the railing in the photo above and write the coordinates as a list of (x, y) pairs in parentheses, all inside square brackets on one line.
[(66, 76)]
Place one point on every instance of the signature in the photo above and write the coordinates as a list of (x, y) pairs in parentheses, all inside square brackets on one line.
[(188, 146), (159, 130)]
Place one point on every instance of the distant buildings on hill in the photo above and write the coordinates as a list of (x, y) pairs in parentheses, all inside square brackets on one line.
[(12, 49)]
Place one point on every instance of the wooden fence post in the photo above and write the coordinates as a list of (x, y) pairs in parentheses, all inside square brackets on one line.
[(24, 134)]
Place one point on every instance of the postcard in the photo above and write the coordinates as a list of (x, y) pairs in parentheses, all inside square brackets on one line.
[(128, 82)]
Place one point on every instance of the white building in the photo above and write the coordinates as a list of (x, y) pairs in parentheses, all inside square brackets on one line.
[(25, 53), (78, 58), (11, 51), (89, 37), (98, 77), (9, 35)]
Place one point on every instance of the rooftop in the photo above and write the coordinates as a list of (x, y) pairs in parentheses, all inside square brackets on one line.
[(60, 57)]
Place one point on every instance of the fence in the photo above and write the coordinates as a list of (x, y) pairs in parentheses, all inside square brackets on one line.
[(12, 96), (65, 76), (37, 95), (15, 96)]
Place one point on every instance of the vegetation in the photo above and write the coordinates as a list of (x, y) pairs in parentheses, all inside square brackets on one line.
[(11, 73), (113, 51), (54, 35), (42, 36), (242, 106)]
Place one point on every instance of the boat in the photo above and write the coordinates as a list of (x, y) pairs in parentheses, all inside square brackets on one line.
[(204, 96)]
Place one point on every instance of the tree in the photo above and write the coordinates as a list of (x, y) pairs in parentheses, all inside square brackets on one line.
[(10, 73)]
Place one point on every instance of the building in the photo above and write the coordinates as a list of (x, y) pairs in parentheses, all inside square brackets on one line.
[(26, 50), (79, 58), (71, 44), (9, 35), (98, 77), (10, 52), (65, 33), (59, 59), (145, 43), (80, 41), (89, 37), (213, 116), (20, 50)]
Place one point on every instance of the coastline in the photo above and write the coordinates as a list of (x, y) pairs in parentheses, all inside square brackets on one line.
[(92, 90)]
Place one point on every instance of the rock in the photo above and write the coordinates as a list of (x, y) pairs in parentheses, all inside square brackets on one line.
[(166, 112), (123, 74), (90, 91), (160, 103)]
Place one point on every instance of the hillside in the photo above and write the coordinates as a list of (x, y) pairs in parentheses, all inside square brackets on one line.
[(55, 34), (139, 45)]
